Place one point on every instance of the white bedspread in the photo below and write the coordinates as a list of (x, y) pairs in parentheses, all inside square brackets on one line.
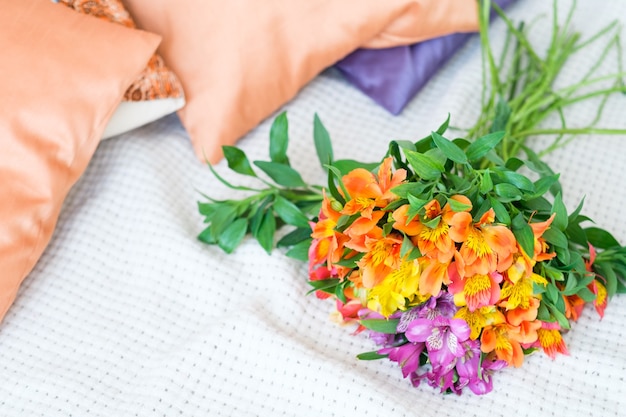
[(127, 314)]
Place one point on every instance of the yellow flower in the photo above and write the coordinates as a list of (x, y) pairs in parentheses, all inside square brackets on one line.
[(479, 318), (397, 290), (519, 294)]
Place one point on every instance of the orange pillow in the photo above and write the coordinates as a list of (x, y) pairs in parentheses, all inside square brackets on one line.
[(240, 60), (154, 94), (62, 76)]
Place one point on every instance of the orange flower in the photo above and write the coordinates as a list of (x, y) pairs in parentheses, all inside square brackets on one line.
[(434, 275), (368, 191), (551, 341), (328, 243), (504, 339), (381, 258), (363, 228), (476, 291), (520, 293), (434, 242), (601, 300), (486, 247), (573, 306), (479, 318), (541, 247)]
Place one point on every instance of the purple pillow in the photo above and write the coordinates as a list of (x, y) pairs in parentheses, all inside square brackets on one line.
[(393, 76)]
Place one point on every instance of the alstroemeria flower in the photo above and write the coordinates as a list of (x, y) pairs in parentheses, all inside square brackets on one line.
[(407, 356), (519, 294), (328, 243), (485, 247), (381, 259), (473, 373), (602, 299), (433, 242), (550, 340), (476, 291), (573, 306), (398, 289), (479, 318), (504, 340), (368, 191), (434, 275), (541, 247), (443, 305), (443, 338)]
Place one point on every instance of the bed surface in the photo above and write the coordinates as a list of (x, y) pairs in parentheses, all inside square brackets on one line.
[(127, 314)]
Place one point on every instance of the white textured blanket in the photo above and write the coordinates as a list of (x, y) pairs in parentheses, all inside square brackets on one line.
[(127, 314)]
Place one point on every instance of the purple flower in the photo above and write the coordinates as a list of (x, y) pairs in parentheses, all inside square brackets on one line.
[(474, 374), (484, 384), (407, 356), (444, 380), (442, 305), (443, 337)]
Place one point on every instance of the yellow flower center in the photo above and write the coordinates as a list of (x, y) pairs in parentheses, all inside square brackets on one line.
[(432, 235), (476, 320), (476, 284), (476, 242), (380, 252)]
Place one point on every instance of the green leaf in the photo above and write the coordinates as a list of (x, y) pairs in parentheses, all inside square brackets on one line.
[(289, 212), (518, 180), (444, 126), (573, 217), (300, 251), (237, 160), (425, 167), (409, 188), (432, 223), (543, 313), (457, 205), (334, 172), (206, 236), (295, 236), (524, 234), (381, 325), (513, 164), (586, 295), (600, 238), (323, 144), (543, 184), (449, 149), (507, 192), (346, 165), (559, 316), (326, 285), (555, 237), (552, 293), (279, 139), (482, 145), (370, 356), (560, 220), (267, 229), (502, 214), (576, 234), (486, 183), (608, 273), (208, 209), (562, 254), (232, 236), (571, 286), (281, 174)]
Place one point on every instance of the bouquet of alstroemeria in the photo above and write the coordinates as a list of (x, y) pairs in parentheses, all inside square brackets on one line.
[(458, 256)]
